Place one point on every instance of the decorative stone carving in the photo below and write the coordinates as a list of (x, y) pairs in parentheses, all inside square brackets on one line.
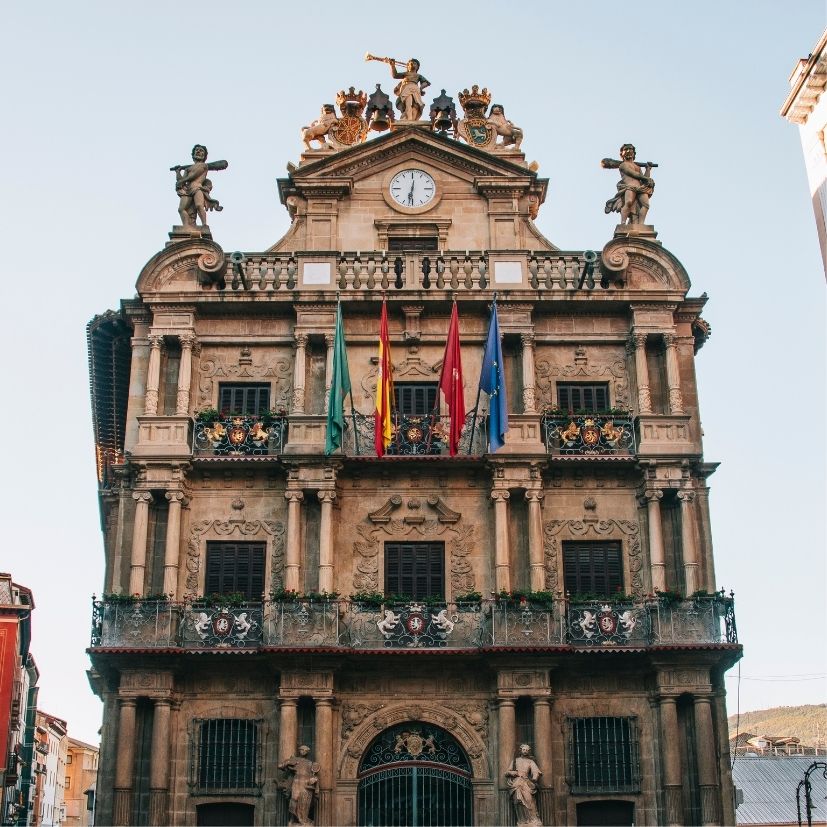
[(547, 371), (445, 525), (476, 714), (474, 128), (320, 128), (353, 714), (193, 187), (634, 188), (409, 89), (512, 136), (213, 367), (351, 128), (304, 786), (522, 778), (225, 528), (607, 529)]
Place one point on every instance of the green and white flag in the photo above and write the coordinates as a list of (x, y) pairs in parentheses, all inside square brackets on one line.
[(339, 388)]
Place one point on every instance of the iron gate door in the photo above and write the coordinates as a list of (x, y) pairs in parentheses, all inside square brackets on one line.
[(415, 775)]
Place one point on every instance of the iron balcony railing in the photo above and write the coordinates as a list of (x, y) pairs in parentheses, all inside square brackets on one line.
[(588, 434), (234, 436), (343, 624), (425, 435)]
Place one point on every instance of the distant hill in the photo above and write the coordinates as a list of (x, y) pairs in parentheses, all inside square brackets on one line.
[(809, 723)]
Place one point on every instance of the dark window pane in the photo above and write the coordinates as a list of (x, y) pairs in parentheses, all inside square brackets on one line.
[(593, 568), (415, 569), (248, 399), (397, 245), (603, 755), (415, 399), (227, 753), (235, 567), (574, 396)]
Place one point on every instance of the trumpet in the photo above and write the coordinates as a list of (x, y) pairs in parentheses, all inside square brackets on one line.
[(369, 56)]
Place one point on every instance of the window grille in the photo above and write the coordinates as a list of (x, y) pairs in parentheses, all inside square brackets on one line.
[(415, 569), (245, 398), (226, 755), (415, 399), (603, 755), (593, 568), (574, 396), (235, 568)]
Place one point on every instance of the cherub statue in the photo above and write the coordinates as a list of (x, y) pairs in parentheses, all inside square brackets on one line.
[(193, 187), (511, 135), (320, 127), (522, 780), (409, 89), (633, 189)]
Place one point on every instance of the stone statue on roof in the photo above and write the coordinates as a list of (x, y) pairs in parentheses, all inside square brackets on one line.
[(193, 188), (633, 189)]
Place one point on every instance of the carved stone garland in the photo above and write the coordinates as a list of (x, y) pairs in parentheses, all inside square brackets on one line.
[(214, 368), (246, 528), (382, 527), (624, 530), (614, 371)]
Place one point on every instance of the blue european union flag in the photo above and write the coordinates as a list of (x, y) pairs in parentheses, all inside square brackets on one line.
[(492, 381)]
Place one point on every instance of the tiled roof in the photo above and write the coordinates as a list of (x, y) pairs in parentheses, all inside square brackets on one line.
[(768, 785)]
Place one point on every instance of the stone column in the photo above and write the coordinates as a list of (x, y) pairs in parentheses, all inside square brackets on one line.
[(182, 401), (644, 398), (529, 402), (326, 540), (671, 758), (293, 557), (324, 756), (288, 728), (673, 377), (153, 376), (124, 763), (159, 766), (502, 556), (707, 761), (137, 568), (656, 554), (690, 552), (535, 540), (329, 339), (542, 740), (173, 542), (507, 736), (299, 373)]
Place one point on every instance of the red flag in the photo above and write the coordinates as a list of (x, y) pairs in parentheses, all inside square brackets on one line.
[(384, 389), (450, 382)]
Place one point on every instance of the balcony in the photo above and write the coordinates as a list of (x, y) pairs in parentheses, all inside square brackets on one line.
[(345, 625), (588, 434), (239, 436), (416, 435)]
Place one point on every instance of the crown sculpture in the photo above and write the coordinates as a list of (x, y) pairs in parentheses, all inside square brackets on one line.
[(359, 114)]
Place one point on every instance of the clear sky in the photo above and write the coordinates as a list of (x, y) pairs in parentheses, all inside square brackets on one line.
[(101, 98)]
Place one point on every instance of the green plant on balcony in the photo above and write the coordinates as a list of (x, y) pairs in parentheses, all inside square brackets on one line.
[(290, 596), (368, 600), (520, 598), (272, 416), (596, 597), (208, 415), (669, 597), (229, 600), (468, 597)]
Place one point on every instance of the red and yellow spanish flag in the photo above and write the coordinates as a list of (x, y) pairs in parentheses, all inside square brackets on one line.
[(384, 388)]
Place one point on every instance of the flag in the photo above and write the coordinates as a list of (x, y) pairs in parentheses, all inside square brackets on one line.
[(450, 382), (384, 388), (492, 381), (339, 388)]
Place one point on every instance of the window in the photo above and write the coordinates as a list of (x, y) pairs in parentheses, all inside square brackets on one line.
[(227, 753), (415, 399), (235, 567), (603, 755), (415, 569), (247, 398), (578, 397), (592, 568), (426, 244)]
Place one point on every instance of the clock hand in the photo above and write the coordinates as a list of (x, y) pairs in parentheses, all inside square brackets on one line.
[(410, 194)]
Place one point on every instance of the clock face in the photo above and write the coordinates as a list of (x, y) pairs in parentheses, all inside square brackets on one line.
[(412, 188)]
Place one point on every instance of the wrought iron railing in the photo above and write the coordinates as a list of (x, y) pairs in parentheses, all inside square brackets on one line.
[(460, 271), (586, 434), (416, 435), (234, 436), (348, 625)]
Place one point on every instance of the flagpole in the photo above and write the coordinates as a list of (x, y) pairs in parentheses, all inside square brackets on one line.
[(352, 409), (479, 390)]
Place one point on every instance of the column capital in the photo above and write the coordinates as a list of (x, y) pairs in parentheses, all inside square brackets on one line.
[(294, 496), (669, 339), (301, 339), (177, 497), (653, 495), (186, 340), (329, 339), (638, 339), (527, 339), (500, 495), (323, 701), (535, 495), (686, 497), (162, 702), (288, 702), (142, 496), (541, 700), (505, 702), (326, 496), (127, 702), (155, 342)]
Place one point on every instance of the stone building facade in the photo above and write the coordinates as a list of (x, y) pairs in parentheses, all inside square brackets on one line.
[(414, 618)]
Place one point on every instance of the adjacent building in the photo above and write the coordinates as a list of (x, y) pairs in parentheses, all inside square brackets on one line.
[(411, 619), (51, 757), (81, 775), (807, 106)]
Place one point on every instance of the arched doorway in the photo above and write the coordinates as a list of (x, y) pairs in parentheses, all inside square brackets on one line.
[(415, 774)]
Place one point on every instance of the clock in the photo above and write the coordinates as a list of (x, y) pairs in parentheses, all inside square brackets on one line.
[(412, 188)]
